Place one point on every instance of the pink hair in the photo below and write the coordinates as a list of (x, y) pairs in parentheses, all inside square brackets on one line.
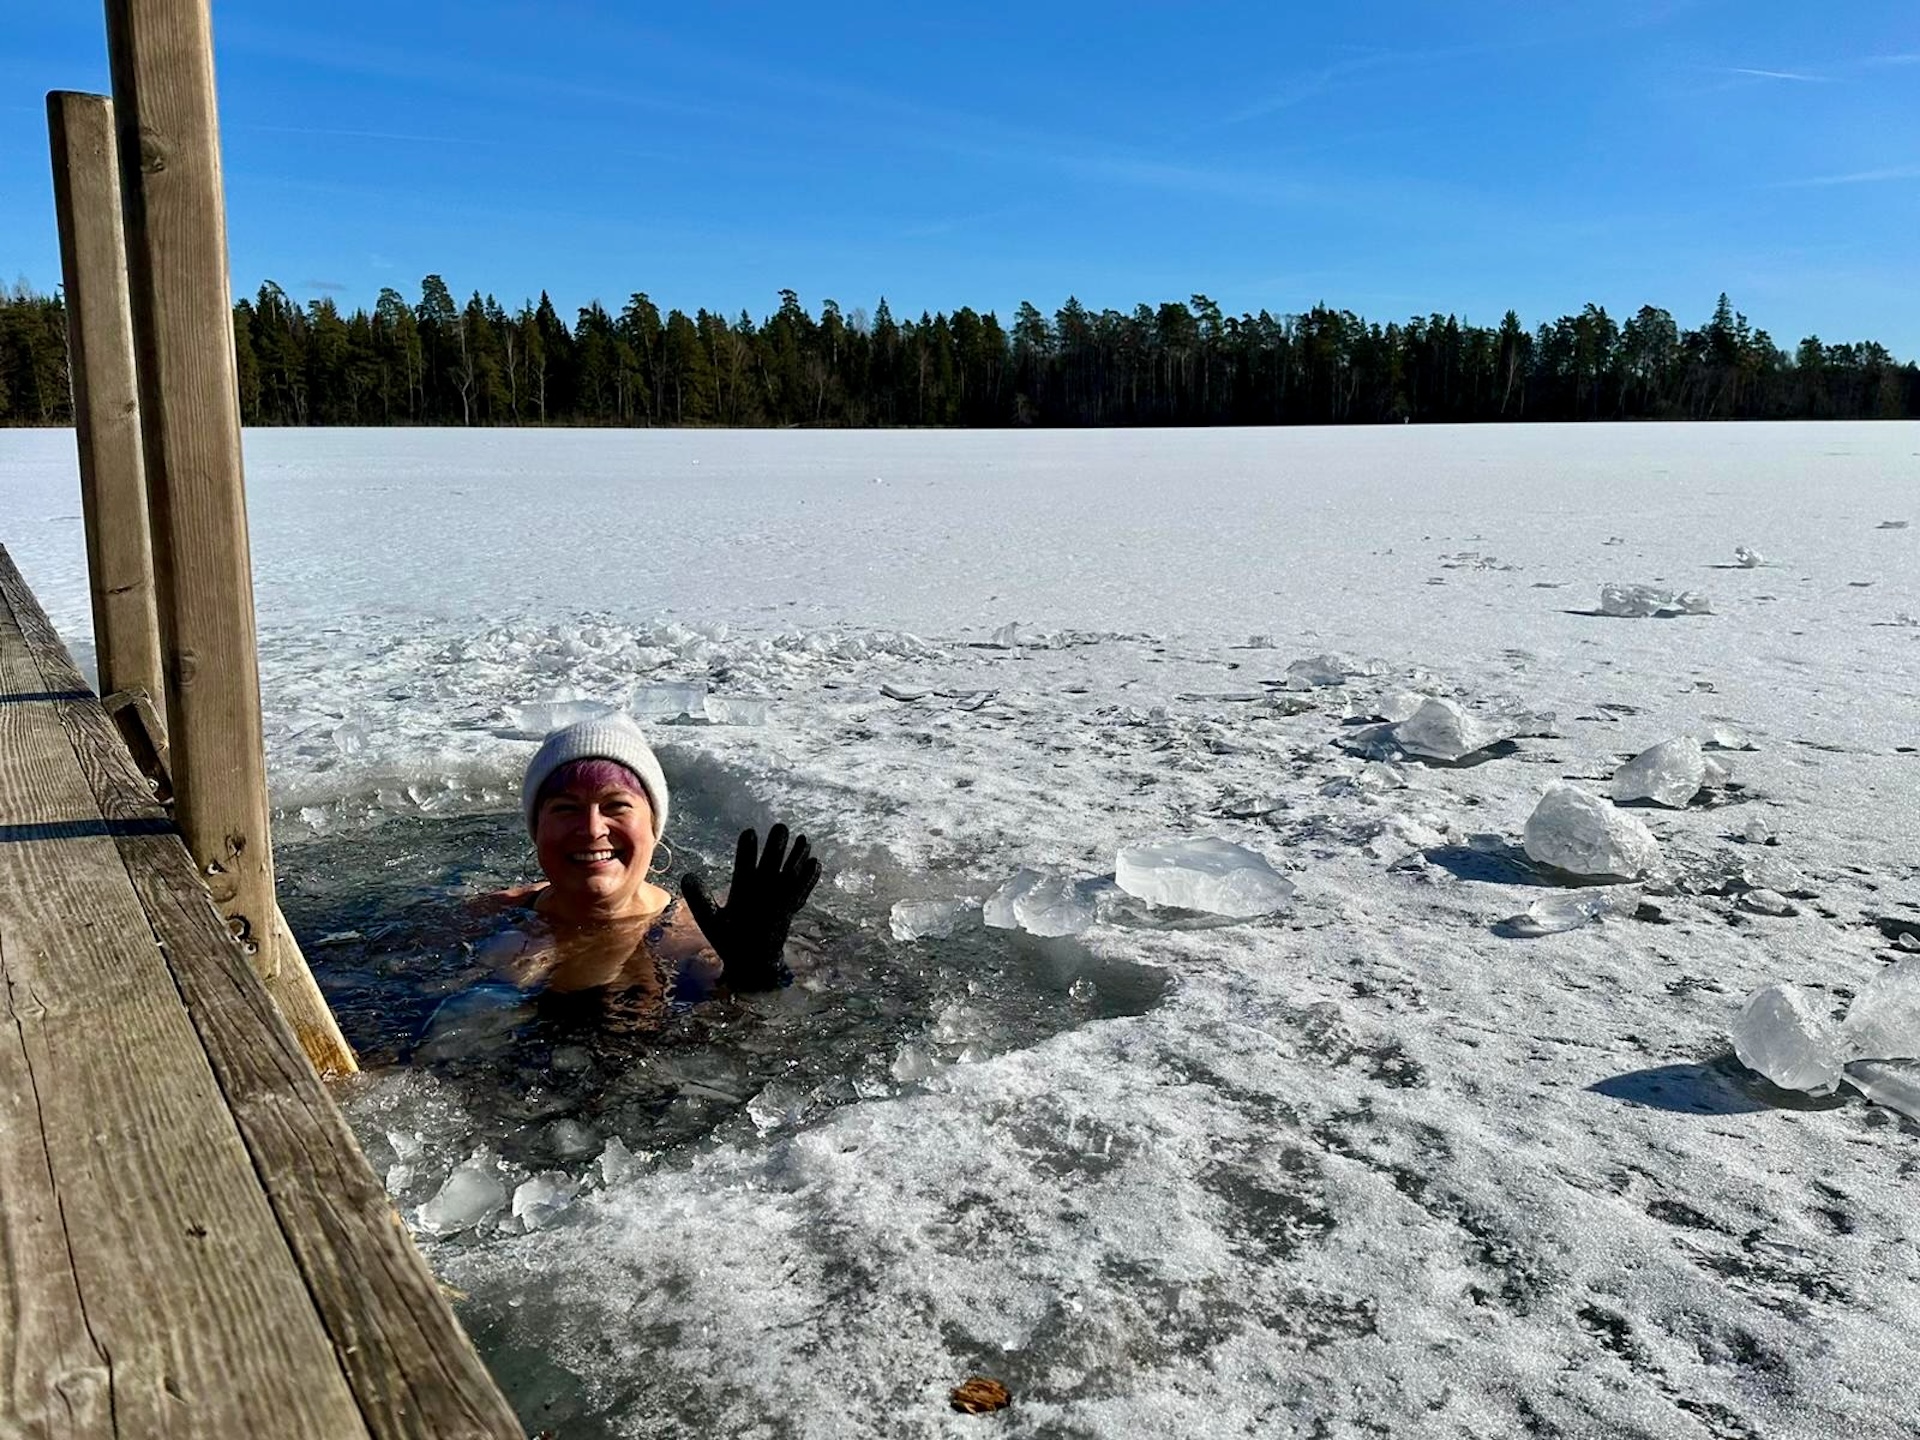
[(591, 774)]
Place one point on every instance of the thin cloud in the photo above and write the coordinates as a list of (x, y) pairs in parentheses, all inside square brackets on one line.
[(1796, 76), (1908, 59), (329, 287), (1858, 177)]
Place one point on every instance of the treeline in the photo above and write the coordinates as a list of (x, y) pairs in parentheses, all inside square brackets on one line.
[(436, 362)]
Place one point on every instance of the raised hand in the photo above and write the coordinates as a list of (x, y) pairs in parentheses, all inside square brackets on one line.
[(749, 932)]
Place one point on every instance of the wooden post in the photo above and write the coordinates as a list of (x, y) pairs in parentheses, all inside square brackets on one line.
[(161, 53), (106, 405)]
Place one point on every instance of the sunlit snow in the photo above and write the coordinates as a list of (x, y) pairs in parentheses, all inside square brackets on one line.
[(1451, 1145)]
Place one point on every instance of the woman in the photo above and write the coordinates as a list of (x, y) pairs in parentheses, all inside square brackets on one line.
[(599, 938)]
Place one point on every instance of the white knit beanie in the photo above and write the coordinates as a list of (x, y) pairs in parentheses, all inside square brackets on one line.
[(605, 737)]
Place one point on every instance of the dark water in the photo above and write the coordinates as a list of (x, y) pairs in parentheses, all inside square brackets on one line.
[(382, 915)]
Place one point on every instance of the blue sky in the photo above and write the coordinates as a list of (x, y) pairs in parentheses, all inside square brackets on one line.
[(1392, 158)]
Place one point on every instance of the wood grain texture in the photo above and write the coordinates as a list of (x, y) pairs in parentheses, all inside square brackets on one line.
[(411, 1368), (106, 406), (187, 1285), (161, 57)]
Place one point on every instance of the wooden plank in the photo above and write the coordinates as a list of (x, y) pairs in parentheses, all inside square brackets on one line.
[(161, 55), (106, 405), (411, 1367), (186, 1283)]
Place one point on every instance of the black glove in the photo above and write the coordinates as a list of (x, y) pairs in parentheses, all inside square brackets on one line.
[(749, 932)]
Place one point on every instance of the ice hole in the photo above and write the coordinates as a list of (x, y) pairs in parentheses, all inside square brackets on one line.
[(880, 1007)]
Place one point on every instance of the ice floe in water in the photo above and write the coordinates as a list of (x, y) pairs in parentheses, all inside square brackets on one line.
[(1583, 835), (1645, 600), (1040, 902), (930, 919), (472, 1194), (1204, 873)]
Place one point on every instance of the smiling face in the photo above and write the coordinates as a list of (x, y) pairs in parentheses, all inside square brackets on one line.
[(594, 838)]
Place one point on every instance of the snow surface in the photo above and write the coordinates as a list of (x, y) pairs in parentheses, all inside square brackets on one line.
[(1382, 1165)]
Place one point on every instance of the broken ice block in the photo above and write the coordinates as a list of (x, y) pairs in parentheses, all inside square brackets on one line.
[(1584, 835), (1443, 730), (1039, 902), (1554, 914), (1748, 559), (1317, 670), (1767, 902), (1670, 774), (1642, 600), (537, 1201), (1895, 1086), (537, 718), (1202, 873), (929, 919), (1883, 1022), (736, 710), (669, 701), (1788, 1039), (472, 1193)]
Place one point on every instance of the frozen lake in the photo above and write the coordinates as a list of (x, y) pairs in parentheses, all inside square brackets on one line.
[(1372, 1165)]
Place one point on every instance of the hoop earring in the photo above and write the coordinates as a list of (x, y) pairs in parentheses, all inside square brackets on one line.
[(657, 867)]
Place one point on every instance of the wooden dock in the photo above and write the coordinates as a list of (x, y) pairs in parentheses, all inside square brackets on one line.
[(191, 1243)]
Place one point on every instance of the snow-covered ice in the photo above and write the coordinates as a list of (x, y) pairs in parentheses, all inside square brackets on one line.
[(1202, 872), (1578, 832), (1368, 1166)]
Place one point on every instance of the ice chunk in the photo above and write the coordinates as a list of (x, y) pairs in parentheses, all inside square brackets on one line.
[(669, 700), (1748, 559), (1895, 1086), (1584, 835), (537, 718), (930, 919), (1670, 774), (1317, 670), (1715, 773), (1039, 902), (1202, 873), (1883, 1022), (473, 1193), (618, 1164), (782, 1103), (1725, 737), (1553, 914), (1642, 600), (1767, 902), (1770, 872), (1007, 637), (736, 710), (1788, 1039), (1442, 730), (1757, 831), (537, 1201), (1054, 906)]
